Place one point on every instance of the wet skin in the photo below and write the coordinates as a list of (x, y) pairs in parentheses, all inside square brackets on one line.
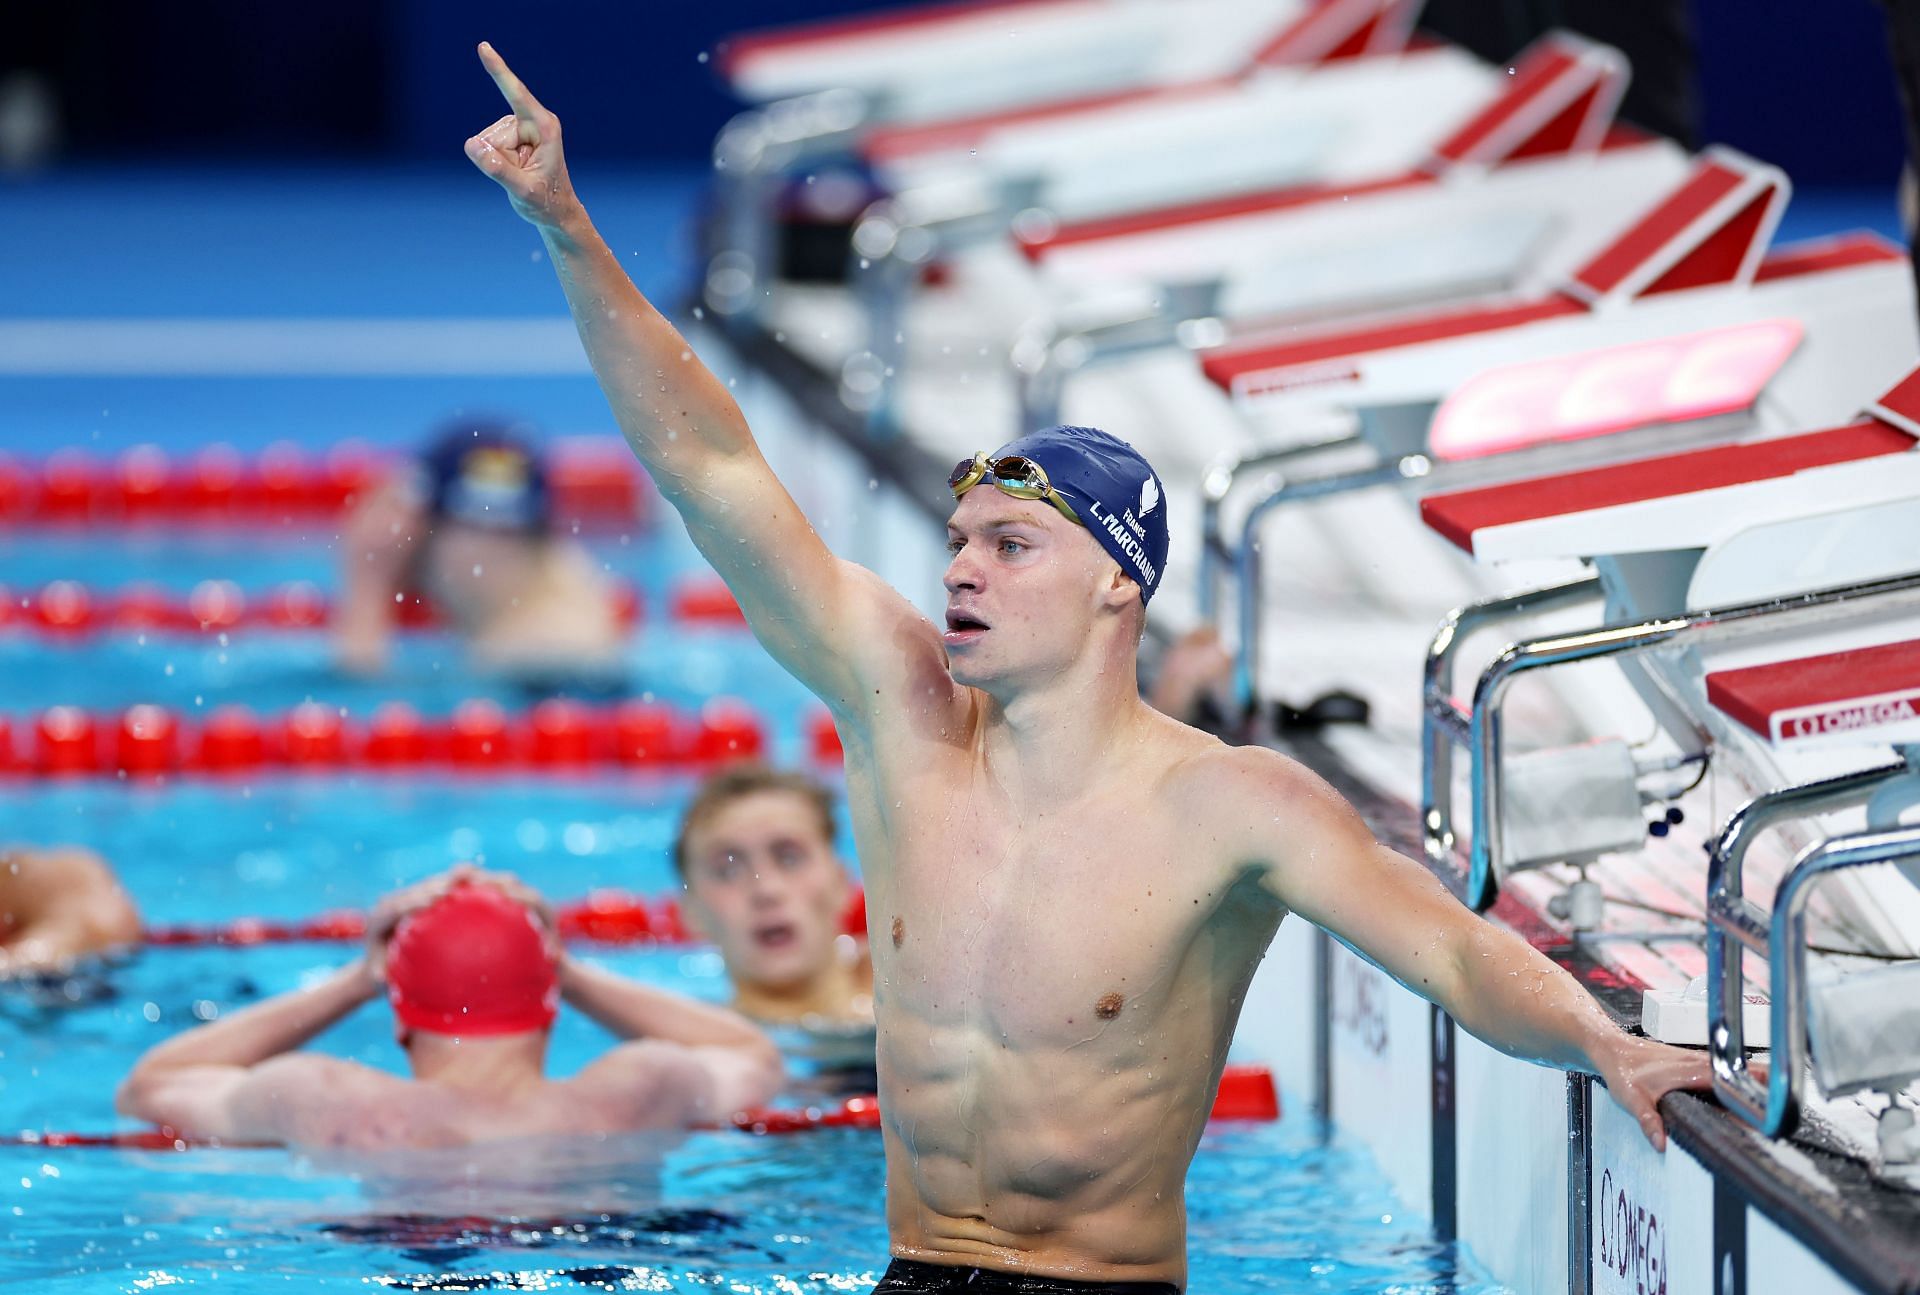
[(1076, 888)]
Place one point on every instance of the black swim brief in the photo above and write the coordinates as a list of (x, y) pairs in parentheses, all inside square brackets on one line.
[(905, 1277)]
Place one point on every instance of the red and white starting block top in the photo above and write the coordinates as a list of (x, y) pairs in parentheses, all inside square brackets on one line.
[(1696, 260), (1679, 501), (1324, 32), (1867, 695), (943, 59), (1692, 500)]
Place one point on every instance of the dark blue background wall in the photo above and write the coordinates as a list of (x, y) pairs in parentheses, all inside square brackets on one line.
[(1805, 83)]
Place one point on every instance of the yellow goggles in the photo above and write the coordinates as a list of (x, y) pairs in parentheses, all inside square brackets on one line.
[(1015, 474)]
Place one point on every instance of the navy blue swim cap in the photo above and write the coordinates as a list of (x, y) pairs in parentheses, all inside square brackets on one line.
[(484, 474), (1114, 490)]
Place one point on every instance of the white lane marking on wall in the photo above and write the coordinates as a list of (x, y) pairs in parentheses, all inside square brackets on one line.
[(530, 346)]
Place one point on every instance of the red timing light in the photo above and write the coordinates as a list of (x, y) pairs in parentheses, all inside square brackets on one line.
[(149, 741), (9, 762), (1671, 380)]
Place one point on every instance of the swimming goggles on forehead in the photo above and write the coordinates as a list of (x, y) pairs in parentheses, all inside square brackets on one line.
[(1015, 474)]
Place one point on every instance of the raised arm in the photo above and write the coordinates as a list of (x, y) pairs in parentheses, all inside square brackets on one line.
[(229, 1079), (835, 626), (1320, 859)]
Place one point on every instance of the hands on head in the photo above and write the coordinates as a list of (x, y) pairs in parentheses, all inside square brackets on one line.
[(395, 907), (521, 151)]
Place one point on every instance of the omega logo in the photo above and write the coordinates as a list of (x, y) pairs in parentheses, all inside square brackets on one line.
[(1359, 1004), (1632, 1242)]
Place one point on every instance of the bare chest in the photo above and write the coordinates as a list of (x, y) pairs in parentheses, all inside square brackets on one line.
[(1041, 929)]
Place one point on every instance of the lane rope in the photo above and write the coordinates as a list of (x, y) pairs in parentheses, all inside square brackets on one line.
[(1247, 1092)]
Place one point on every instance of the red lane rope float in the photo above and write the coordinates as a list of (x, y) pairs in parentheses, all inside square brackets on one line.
[(1247, 1092), (65, 611), (555, 736), (593, 480), (602, 917)]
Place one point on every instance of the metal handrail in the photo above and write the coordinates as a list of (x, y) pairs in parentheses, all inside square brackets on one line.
[(1485, 738), (1445, 723), (1731, 916), (750, 155), (1050, 350), (1414, 466)]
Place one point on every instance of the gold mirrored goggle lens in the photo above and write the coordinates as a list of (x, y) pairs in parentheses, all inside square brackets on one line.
[(1014, 474)]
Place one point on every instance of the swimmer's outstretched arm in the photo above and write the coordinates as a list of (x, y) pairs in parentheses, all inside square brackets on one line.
[(58, 904), (1315, 854), (232, 1079), (835, 626)]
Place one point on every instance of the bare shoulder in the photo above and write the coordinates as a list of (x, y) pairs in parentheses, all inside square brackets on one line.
[(648, 1080), (1243, 793), (311, 1099)]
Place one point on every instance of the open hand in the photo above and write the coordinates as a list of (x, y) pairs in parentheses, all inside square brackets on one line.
[(1643, 1071), (521, 151)]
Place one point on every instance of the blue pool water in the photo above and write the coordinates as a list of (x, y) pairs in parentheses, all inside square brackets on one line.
[(1272, 1207)]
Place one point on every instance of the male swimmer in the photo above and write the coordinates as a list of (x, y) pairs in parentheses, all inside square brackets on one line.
[(1068, 890), (58, 905), (473, 972), (763, 882), (469, 525)]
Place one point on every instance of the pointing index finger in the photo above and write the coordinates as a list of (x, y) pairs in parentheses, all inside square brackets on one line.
[(518, 97)]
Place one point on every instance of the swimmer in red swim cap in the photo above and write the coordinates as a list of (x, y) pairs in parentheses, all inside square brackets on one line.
[(474, 974), (472, 964)]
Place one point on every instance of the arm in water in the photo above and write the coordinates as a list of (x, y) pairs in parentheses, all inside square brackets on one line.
[(1320, 859), (835, 626)]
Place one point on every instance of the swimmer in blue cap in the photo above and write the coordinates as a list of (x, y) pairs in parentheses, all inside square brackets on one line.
[(1067, 891), (469, 525)]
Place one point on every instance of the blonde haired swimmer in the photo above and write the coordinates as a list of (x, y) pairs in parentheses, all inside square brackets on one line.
[(469, 963), (755, 854), (1070, 890)]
